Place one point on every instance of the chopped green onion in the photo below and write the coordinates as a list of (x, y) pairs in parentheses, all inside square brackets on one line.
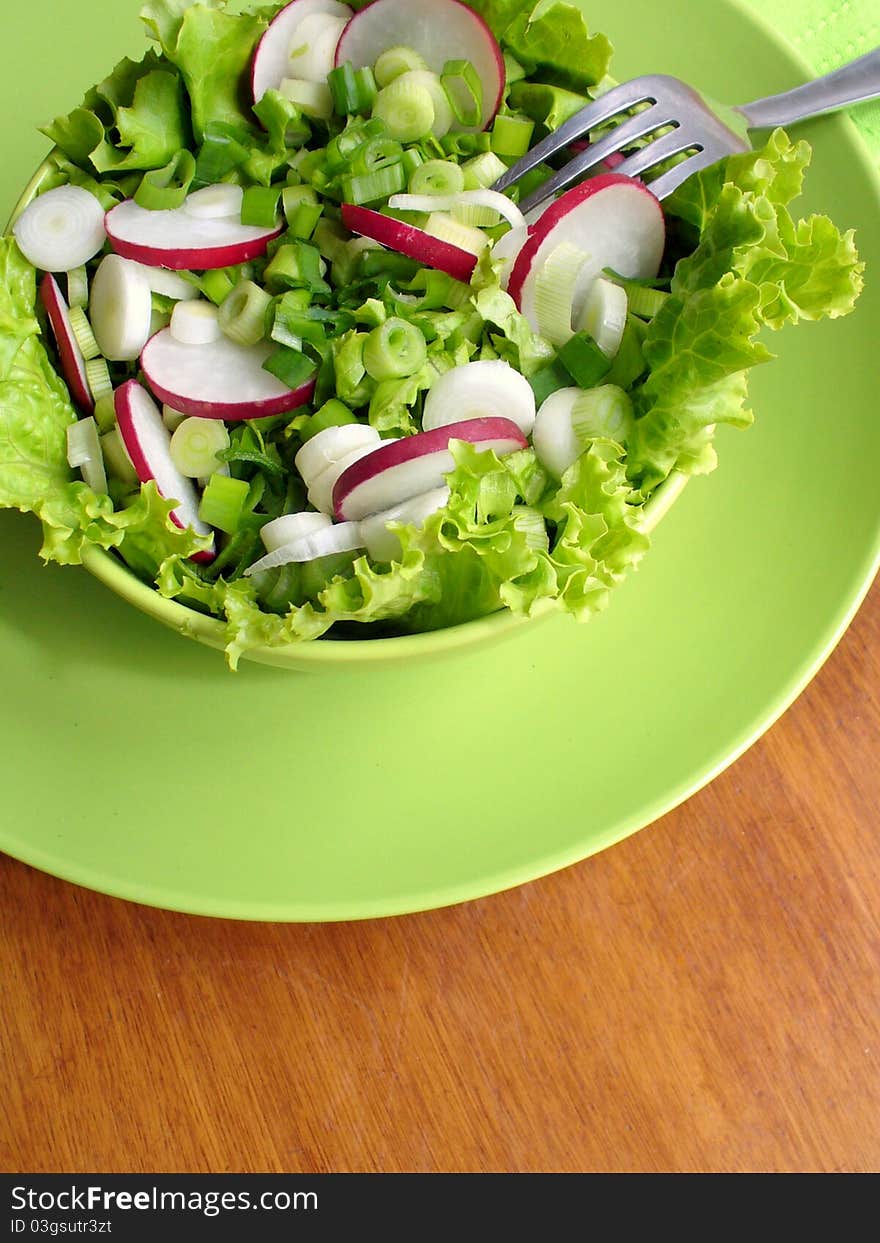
[(289, 366), (549, 380), (554, 292), (437, 177), (412, 159), (242, 314), (98, 376), (163, 189), (312, 98), (292, 324), (378, 262), (82, 331), (406, 108), (374, 187), (459, 145), (259, 206), (116, 458), (77, 288), (223, 150), (475, 215), (350, 371), (444, 227), (353, 90), (84, 453), (313, 164), (376, 154), (330, 239), (304, 220), (332, 414), (294, 196), (286, 125), (296, 265), (604, 413), (105, 412), (585, 362), (483, 171), (195, 445), (438, 290), (341, 149), (629, 363), (512, 136), (513, 70), (645, 302), (464, 91), (348, 259), (394, 350), (172, 418), (217, 284), (223, 502), (396, 61)]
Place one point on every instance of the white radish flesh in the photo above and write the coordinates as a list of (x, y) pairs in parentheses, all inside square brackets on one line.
[(147, 442), (292, 527), (73, 364), (84, 453), (177, 240), (398, 471), (221, 380), (195, 323), (271, 61), (331, 446), (219, 202), (61, 230), (441, 30), (121, 309), (328, 542), (604, 315), (477, 390), (554, 440), (615, 220), (383, 544), (313, 51)]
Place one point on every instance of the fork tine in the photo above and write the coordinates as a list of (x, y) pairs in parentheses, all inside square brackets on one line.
[(636, 127), (618, 99), (663, 186), (657, 151)]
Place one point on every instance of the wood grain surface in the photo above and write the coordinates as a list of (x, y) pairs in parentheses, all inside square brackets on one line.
[(703, 997)]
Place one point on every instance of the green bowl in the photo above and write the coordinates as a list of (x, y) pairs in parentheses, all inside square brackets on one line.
[(325, 653)]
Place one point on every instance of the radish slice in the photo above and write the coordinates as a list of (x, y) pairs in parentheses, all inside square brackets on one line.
[(441, 30), (406, 239), (221, 380), (84, 453), (195, 323), (219, 202), (407, 468), (177, 240), (321, 488), (331, 446), (121, 309), (73, 365), (61, 230), (271, 62), (292, 527), (480, 390), (616, 220), (328, 542), (147, 442), (383, 544)]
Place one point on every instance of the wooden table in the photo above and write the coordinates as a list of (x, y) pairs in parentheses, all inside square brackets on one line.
[(703, 997)]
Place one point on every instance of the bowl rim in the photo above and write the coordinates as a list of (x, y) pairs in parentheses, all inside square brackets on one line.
[(212, 632)]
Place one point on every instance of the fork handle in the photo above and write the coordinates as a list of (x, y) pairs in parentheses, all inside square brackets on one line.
[(852, 84)]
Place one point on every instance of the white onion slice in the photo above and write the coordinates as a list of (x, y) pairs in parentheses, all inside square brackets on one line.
[(474, 198), (61, 230), (339, 538), (121, 308), (485, 389), (195, 323), (292, 527)]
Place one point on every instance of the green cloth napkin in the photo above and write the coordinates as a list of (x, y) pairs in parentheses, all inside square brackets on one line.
[(827, 34)]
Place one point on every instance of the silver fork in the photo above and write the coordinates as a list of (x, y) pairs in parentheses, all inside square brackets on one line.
[(706, 131)]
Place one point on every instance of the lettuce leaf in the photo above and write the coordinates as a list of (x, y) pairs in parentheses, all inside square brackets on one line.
[(553, 42), (754, 267)]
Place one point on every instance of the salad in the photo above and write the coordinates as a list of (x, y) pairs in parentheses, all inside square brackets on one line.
[(268, 334)]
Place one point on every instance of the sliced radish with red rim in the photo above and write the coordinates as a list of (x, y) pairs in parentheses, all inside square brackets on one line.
[(616, 221), (218, 380), (416, 464), (408, 240), (70, 356), (147, 441), (271, 62), (441, 30), (182, 242)]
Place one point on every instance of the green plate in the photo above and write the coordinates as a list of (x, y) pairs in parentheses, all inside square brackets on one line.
[(133, 763)]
